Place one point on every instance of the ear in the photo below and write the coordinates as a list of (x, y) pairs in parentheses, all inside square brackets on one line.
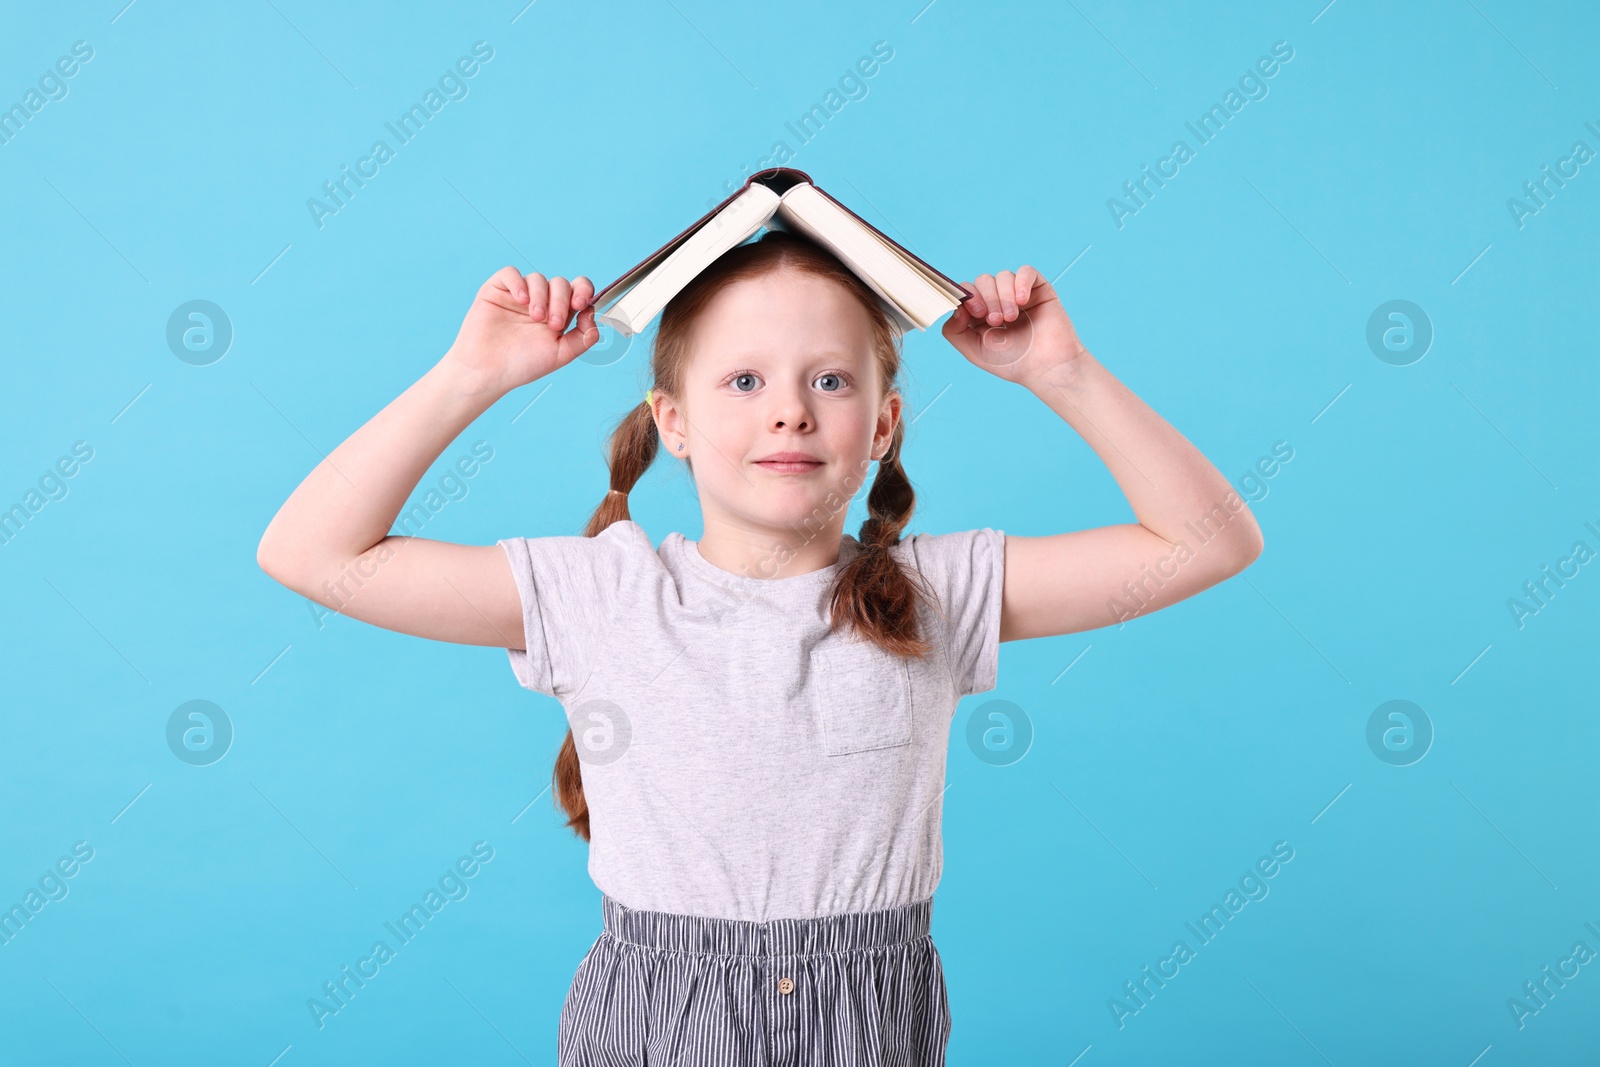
[(888, 419), (670, 424)]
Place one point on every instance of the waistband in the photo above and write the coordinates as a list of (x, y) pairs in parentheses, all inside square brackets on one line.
[(776, 937)]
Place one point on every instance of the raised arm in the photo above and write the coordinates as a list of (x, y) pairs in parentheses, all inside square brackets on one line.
[(330, 540), (1193, 530)]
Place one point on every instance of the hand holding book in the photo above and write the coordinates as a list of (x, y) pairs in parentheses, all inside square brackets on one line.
[(1010, 324), (1014, 327), (516, 329)]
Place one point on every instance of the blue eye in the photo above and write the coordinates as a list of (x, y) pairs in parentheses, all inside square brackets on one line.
[(840, 380)]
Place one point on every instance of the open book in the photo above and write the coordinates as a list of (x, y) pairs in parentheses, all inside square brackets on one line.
[(914, 293)]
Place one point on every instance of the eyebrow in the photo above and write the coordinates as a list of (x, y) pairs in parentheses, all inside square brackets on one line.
[(834, 354)]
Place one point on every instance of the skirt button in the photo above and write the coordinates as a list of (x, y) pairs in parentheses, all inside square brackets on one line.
[(786, 985)]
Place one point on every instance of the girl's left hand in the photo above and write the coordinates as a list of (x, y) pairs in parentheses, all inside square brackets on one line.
[(1014, 327)]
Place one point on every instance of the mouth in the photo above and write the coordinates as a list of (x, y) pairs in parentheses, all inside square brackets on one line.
[(790, 463)]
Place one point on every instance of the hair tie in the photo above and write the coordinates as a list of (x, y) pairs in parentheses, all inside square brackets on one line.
[(617, 491), (648, 396)]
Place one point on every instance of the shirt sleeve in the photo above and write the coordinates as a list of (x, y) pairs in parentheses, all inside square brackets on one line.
[(568, 586), (967, 572)]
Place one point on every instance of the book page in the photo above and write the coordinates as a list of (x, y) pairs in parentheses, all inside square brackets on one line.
[(874, 262), (635, 308)]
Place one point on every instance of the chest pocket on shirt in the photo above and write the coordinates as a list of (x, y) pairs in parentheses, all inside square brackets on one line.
[(862, 698)]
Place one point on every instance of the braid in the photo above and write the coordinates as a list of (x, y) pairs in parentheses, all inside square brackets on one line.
[(873, 593), (634, 444)]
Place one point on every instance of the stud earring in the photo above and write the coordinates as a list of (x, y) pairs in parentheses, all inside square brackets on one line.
[(680, 446)]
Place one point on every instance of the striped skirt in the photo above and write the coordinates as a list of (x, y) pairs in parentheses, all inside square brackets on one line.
[(863, 989)]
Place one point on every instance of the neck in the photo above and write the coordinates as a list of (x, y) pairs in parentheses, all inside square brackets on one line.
[(771, 552)]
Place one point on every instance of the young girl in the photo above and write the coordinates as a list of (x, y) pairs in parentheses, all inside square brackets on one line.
[(759, 719)]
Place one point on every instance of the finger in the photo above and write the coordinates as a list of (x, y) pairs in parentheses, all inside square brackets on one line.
[(560, 304), (578, 340), (959, 322), (1006, 283), (956, 330), (974, 303), (582, 292), (509, 280), (538, 296), (1026, 277), (956, 325), (991, 299)]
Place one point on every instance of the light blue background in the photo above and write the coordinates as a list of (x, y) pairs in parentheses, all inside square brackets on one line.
[(1173, 753)]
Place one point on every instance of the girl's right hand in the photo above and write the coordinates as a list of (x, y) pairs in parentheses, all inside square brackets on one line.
[(516, 330)]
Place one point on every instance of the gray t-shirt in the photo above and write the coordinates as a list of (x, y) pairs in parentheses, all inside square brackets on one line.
[(740, 760)]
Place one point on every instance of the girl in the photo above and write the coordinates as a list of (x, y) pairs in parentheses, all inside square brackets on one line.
[(759, 719)]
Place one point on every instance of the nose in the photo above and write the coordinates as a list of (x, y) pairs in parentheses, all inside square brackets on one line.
[(790, 412)]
